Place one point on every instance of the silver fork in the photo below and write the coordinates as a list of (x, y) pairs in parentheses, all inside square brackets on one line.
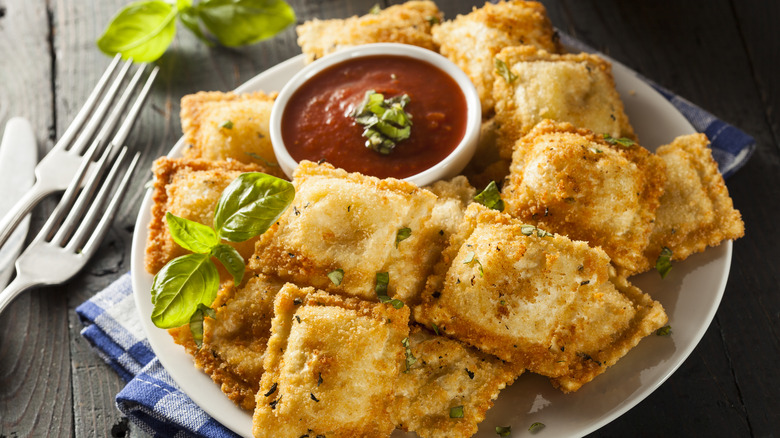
[(66, 243), (68, 158)]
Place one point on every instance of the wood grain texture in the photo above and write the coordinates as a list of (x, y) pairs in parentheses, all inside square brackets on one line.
[(721, 54)]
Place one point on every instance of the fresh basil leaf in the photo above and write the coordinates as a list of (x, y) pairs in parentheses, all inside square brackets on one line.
[(231, 260), (189, 17), (250, 205), (191, 235), (663, 264), (490, 197), (142, 30), (180, 286), (241, 22), (336, 276), (196, 322)]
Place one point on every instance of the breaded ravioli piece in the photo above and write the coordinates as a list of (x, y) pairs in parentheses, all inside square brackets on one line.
[(472, 41), (444, 376), (574, 88), (406, 23), (234, 343), (696, 210), (188, 188), (357, 224), (228, 126), (453, 197), (538, 300), (573, 182), (330, 366)]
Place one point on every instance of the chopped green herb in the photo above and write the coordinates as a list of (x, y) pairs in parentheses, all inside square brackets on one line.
[(490, 197), (376, 9), (382, 280), (596, 150), (384, 120), (622, 141), (536, 427), (336, 276), (456, 412), (403, 234), (529, 230), (433, 20), (196, 322), (503, 430), (435, 328), (663, 264), (503, 70), (410, 359), (227, 124), (664, 331), (397, 304), (470, 258)]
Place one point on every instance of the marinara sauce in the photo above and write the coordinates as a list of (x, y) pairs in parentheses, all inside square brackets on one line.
[(316, 123)]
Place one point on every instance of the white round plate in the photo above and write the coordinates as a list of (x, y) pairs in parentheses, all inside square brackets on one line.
[(690, 294)]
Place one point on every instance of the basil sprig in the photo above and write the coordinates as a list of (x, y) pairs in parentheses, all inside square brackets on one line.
[(184, 288), (144, 29), (384, 120), (490, 197)]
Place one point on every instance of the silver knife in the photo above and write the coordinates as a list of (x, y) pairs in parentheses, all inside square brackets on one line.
[(18, 157)]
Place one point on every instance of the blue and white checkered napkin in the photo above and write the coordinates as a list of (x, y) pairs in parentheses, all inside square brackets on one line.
[(153, 401)]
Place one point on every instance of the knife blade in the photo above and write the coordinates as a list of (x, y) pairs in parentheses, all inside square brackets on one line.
[(18, 157)]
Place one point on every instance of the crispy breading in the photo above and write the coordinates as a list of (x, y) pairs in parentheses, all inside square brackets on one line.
[(406, 23), (349, 221), (696, 210), (578, 89), (190, 189), (330, 366), (228, 126), (472, 41), (571, 181), (234, 343), (446, 373), (453, 197), (541, 301)]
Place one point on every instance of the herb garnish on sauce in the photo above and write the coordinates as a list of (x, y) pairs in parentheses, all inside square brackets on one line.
[(384, 120)]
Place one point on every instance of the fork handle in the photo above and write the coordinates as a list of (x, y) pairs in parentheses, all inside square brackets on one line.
[(30, 199), (12, 291)]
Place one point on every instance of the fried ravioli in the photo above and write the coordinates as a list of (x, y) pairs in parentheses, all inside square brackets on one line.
[(578, 89), (443, 375), (538, 300), (330, 366), (453, 197), (227, 126), (406, 23), (234, 343), (352, 222), (190, 189), (472, 41), (572, 182), (696, 210)]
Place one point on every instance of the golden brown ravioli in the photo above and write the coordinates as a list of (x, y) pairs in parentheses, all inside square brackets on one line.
[(443, 375), (228, 126), (578, 89), (330, 366), (541, 301), (234, 343), (190, 189), (572, 182), (406, 23), (696, 210), (352, 222), (472, 41)]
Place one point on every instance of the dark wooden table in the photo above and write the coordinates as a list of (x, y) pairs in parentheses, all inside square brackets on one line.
[(723, 55)]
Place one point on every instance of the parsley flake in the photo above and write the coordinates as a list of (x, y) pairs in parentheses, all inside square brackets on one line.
[(663, 264), (503, 70), (410, 359), (382, 280), (456, 412), (402, 234), (664, 331), (470, 258), (622, 141), (536, 427), (227, 124), (503, 430), (336, 276), (435, 328), (529, 230), (490, 197)]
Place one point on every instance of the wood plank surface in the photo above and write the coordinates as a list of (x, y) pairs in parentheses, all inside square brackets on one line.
[(721, 54)]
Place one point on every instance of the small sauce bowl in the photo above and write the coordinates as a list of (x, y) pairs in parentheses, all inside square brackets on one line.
[(331, 87)]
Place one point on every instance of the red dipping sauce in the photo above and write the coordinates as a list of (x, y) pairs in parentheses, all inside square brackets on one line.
[(316, 124)]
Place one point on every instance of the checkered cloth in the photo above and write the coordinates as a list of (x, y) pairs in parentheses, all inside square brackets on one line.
[(153, 401)]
